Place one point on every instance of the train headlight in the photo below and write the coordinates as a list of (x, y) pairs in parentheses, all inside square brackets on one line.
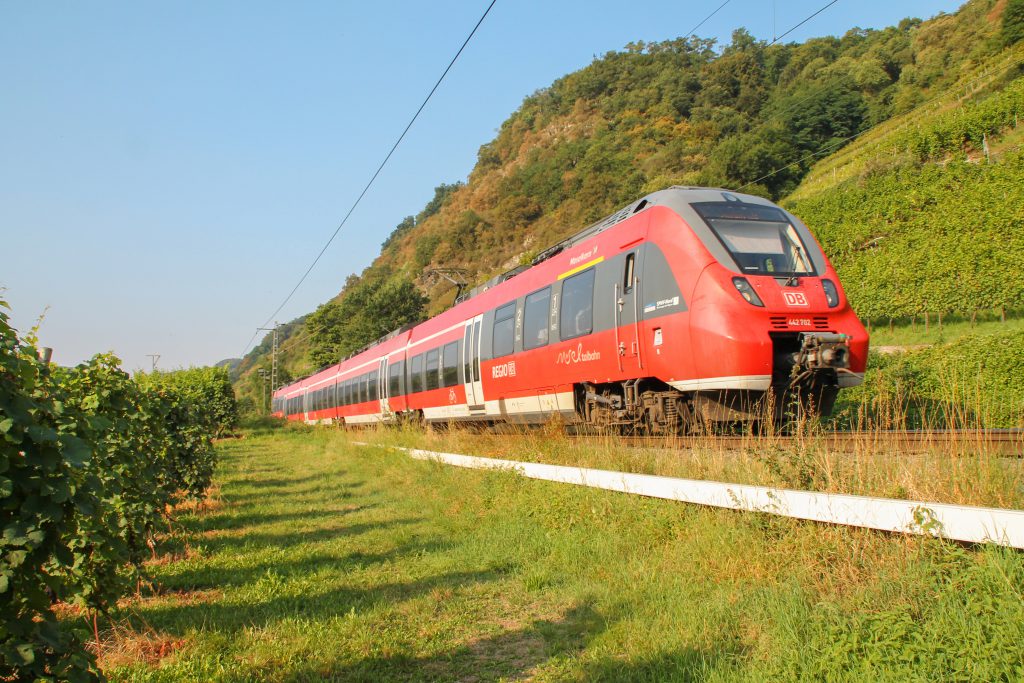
[(746, 291), (831, 293)]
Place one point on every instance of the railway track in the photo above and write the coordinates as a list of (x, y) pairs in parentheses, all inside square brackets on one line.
[(1008, 442)]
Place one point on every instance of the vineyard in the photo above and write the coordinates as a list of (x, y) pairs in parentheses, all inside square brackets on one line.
[(923, 219), (92, 463), (968, 384)]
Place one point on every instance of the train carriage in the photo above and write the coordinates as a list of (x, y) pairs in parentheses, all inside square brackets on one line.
[(690, 305)]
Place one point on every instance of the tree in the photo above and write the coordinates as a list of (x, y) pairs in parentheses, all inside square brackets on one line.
[(365, 312), (1013, 22)]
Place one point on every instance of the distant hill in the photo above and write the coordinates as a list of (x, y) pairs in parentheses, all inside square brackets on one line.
[(749, 115), (229, 363)]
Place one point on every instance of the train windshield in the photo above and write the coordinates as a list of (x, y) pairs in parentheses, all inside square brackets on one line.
[(760, 238)]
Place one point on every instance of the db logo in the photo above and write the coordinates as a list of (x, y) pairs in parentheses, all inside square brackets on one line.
[(795, 298)]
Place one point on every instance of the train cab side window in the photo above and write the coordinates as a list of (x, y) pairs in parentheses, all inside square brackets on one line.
[(577, 315), (535, 321), (450, 364), (503, 339), (627, 275), (432, 365), (416, 374)]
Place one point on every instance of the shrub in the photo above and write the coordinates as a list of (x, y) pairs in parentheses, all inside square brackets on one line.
[(90, 460)]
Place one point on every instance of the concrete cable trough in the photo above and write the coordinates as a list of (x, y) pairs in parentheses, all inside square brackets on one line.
[(955, 522)]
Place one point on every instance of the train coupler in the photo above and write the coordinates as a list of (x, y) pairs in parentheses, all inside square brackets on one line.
[(819, 351)]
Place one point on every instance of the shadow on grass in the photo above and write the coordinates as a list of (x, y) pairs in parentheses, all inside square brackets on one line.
[(297, 536), (271, 600), (322, 479), (235, 520), (204, 577), (515, 654)]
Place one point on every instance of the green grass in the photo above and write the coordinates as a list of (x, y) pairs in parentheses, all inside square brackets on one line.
[(905, 332), (318, 560)]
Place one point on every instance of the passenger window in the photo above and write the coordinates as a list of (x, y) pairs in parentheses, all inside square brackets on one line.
[(450, 364), (432, 363), (502, 342), (371, 386), (627, 275), (535, 323), (577, 316), (416, 374), (394, 372)]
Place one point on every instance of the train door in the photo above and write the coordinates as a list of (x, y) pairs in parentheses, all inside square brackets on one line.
[(629, 313), (471, 366), (336, 401), (382, 387)]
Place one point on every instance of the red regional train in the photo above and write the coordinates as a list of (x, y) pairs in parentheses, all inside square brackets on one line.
[(689, 306)]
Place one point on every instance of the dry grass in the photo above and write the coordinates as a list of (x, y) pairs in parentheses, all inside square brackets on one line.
[(126, 645), (209, 503), (967, 471)]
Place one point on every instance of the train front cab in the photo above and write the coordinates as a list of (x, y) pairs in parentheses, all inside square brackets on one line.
[(767, 315)]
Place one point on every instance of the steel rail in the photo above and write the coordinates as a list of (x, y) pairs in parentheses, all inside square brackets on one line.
[(1001, 441)]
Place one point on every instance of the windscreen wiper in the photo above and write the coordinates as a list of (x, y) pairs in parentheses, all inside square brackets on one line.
[(792, 279)]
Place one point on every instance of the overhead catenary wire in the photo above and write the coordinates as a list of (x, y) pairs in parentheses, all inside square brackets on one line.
[(796, 26), (375, 174), (707, 18)]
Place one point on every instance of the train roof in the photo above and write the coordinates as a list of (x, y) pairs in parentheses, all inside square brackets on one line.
[(677, 198)]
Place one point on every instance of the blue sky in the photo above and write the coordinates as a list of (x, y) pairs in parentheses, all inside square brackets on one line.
[(169, 170)]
